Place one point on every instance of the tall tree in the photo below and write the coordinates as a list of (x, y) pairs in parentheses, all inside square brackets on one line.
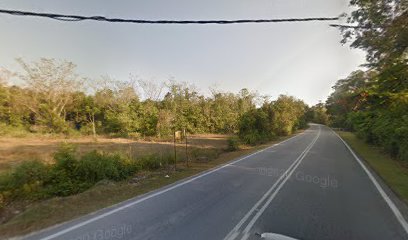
[(49, 85)]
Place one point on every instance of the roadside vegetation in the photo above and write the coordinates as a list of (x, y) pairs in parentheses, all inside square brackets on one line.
[(48, 97), (105, 184), (48, 101), (373, 103)]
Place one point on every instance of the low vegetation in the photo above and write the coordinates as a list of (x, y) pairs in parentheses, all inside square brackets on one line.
[(104, 185), (70, 174)]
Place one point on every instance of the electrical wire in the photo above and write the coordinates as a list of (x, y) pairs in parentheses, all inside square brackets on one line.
[(75, 18)]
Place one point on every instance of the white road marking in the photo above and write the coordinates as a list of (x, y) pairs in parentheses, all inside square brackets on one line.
[(387, 199), (260, 212), (235, 231), (78, 225), (270, 151)]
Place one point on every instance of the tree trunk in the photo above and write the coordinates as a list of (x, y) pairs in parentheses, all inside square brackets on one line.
[(93, 126)]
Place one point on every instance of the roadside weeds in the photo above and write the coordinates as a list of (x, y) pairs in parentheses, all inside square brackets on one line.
[(53, 211)]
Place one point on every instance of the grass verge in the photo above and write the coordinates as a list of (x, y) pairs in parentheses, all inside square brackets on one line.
[(46, 213), (393, 172)]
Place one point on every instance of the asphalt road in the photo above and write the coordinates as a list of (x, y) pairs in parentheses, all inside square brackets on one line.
[(308, 187)]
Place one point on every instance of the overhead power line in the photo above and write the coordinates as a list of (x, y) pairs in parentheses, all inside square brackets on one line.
[(74, 18), (347, 26)]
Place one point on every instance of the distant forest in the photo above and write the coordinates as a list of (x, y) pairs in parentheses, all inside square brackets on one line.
[(52, 98), (373, 102)]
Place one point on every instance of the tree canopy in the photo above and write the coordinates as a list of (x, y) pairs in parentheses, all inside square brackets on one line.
[(374, 102)]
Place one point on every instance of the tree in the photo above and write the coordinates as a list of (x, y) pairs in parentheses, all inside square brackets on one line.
[(151, 90), (353, 93), (318, 114), (84, 113), (4, 96), (383, 34), (254, 127), (49, 85), (286, 114), (382, 30), (119, 103)]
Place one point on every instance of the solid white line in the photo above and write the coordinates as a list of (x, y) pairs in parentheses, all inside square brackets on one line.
[(390, 203), (78, 225), (266, 204), (234, 232)]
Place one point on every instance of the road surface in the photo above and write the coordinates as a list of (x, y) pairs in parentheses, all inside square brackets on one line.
[(310, 186)]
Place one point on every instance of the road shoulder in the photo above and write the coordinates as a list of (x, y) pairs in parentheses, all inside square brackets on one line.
[(391, 175)]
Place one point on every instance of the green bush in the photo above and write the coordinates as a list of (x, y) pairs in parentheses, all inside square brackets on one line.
[(60, 184), (150, 162), (251, 138), (208, 153), (382, 128), (65, 160), (68, 175), (95, 166), (233, 143), (25, 181), (71, 174)]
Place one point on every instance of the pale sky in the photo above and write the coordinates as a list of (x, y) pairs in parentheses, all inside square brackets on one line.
[(300, 59)]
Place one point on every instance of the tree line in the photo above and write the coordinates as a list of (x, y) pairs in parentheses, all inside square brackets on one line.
[(48, 96), (374, 102)]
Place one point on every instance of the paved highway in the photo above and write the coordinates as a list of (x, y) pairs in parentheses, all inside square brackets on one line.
[(310, 186)]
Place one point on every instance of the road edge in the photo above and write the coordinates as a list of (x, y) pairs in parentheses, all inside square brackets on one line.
[(396, 205), (98, 214)]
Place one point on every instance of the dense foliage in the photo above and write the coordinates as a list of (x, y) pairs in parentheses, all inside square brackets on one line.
[(277, 118), (52, 98), (49, 97), (374, 103)]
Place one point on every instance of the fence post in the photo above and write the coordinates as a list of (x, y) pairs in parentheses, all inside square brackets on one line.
[(185, 136), (175, 151)]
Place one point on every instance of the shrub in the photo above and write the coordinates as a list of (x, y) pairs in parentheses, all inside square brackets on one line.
[(233, 143), (95, 166), (150, 162), (208, 153), (251, 138), (25, 181), (65, 160), (384, 128), (2, 201), (14, 131), (60, 184), (69, 175)]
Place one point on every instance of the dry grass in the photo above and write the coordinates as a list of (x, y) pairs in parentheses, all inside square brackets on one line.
[(16, 150), (42, 214)]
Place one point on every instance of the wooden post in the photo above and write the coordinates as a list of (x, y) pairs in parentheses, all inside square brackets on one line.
[(175, 152), (185, 136)]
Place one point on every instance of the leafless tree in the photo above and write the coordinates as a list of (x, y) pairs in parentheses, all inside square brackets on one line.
[(49, 85), (151, 89)]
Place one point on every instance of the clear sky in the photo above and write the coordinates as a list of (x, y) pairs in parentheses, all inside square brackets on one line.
[(301, 59)]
